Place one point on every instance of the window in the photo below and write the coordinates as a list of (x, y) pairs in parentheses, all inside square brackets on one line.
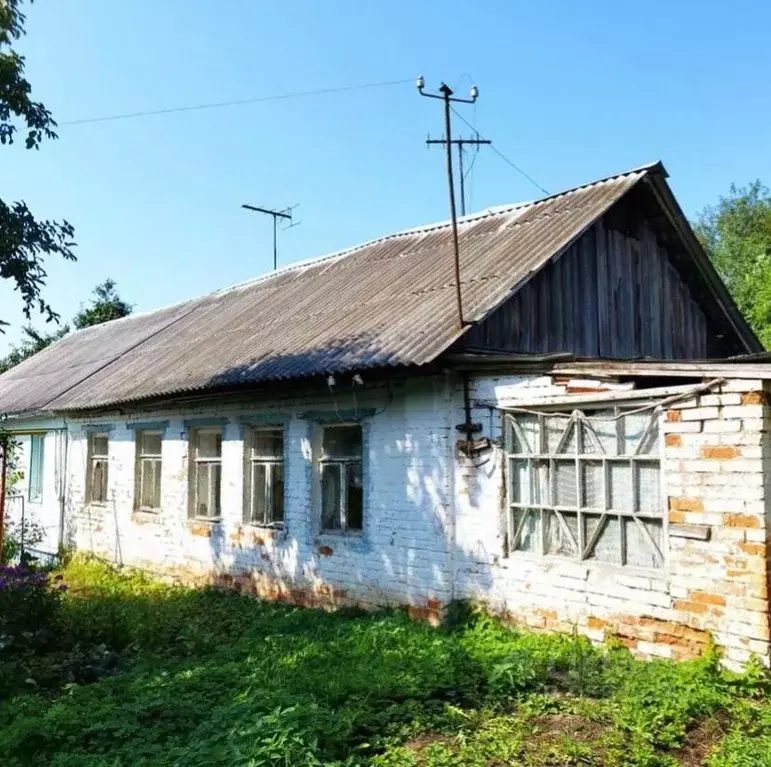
[(342, 498), (147, 476), (36, 459), (264, 475), (98, 464), (206, 474), (586, 485)]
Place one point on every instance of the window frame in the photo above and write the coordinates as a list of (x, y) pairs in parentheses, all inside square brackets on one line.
[(270, 464), (39, 474), (195, 461), (93, 458), (543, 477), (342, 463), (141, 459)]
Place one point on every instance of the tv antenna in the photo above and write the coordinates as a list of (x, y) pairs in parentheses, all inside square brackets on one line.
[(284, 215)]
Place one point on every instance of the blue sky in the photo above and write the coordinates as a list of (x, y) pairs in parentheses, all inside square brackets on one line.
[(570, 91)]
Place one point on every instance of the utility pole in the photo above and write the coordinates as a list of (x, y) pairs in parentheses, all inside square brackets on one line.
[(460, 143), (276, 214), (445, 93)]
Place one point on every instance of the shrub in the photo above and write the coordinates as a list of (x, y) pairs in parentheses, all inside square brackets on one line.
[(30, 608)]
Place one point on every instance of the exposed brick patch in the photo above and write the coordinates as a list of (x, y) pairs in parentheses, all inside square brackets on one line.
[(688, 606), (680, 503), (720, 452), (677, 517), (708, 599), (741, 520), (326, 551), (201, 529), (674, 440), (753, 549), (596, 623), (753, 398), (673, 416)]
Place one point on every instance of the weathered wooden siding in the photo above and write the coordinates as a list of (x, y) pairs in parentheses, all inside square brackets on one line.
[(611, 294)]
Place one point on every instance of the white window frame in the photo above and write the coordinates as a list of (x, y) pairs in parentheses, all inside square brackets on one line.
[(35, 489), (342, 463), (543, 481), (154, 461), (93, 459), (197, 463), (271, 465)]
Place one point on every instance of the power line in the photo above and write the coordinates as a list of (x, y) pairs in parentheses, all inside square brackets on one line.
[(236, 102), (503, 156)]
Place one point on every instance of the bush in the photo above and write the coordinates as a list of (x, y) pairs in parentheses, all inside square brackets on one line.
[(30, 609)]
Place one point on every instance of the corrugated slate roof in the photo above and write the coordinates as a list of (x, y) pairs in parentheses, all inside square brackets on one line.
[(388, 302)]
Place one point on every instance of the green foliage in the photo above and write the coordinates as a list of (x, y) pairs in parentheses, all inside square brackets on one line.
[(150, 673), (106, 305), (24, 240), (737, 235)]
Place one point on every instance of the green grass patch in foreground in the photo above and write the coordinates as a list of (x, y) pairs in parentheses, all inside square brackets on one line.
[(144, 673)]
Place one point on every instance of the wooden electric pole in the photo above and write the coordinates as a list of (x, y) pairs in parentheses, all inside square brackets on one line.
[(445, 94), (460, 143)]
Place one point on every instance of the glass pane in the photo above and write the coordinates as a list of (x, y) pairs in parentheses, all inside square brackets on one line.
[(593, 495), (36, 467), (605, 429), (650, 445), (355, 497), (565, 483), (342, 441), (151, 443), (633, 428), (648, 487), (147, 485), (570, 440), (524, 440), (639, 552), (259, 493), (201, 508), (620, 480), (528, 539), (209, 444), (215, 480), (330, 497), (558, 540), (268, 443), (99, 444), (522, 481), (608, 546), (156, 484), (278, 493), (555, 427)]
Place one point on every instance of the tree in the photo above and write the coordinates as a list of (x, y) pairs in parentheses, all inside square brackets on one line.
[(737, 236), (105, 305), (24, 240)]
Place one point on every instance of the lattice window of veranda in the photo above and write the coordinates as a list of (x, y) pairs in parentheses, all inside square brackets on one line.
[(586, 485)]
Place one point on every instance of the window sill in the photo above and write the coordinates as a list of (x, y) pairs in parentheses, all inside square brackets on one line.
[(144, 516), (276, 526), (341, 534)]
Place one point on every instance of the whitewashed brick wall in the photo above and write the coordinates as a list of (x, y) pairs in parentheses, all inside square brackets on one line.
[(401, 557), (716, 478)]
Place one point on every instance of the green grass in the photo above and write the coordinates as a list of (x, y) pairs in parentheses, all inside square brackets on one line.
[(150, 674)]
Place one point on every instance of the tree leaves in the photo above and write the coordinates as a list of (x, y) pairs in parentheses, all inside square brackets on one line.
[(24, 240), (737, 236)]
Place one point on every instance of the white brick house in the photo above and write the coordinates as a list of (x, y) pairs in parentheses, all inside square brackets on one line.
[(329, 435)]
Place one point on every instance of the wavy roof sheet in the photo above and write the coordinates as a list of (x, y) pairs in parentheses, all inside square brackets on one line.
[(388, 302)]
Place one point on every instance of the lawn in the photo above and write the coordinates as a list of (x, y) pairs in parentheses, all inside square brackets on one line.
[(118, 669)]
